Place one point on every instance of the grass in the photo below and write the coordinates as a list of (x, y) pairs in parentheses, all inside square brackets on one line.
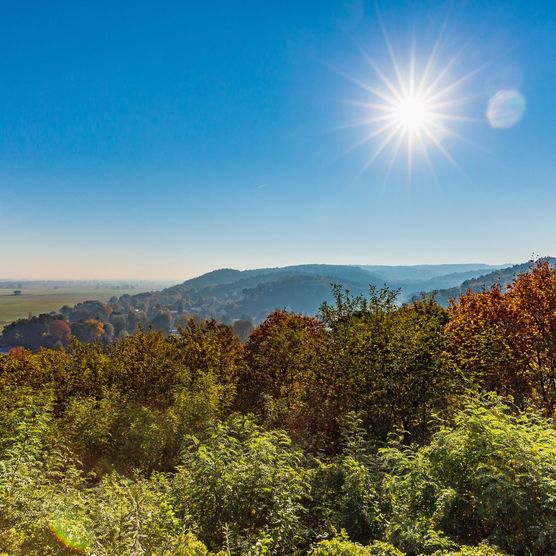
[(43, 300)]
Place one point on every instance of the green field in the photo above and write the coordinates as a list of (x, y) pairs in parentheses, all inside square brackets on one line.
[(43, 300)]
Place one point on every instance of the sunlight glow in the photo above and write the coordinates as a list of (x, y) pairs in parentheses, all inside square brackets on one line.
[(412, 113), (413, 106)]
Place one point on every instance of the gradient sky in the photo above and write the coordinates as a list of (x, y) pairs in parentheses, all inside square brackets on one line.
[(164, 139)]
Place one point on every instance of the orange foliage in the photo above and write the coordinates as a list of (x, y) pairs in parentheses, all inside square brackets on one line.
[(507, 340), (278, 356)]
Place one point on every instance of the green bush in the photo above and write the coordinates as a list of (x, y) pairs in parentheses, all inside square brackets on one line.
[(342, 546), (241, 485), (37, 475), (346, 492), (380, 548), (491, 475), (339, 547), (114, 431), (136, 517), (482, 549)]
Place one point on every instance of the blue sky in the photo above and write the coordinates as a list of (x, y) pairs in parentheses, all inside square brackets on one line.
[(162, 140)]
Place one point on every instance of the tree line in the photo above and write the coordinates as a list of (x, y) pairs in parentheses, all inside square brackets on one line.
[(95, 321), (371, 429)]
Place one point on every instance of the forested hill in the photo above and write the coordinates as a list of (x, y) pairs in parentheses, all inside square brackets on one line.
[(402, 274), (502, 277), (232, 280), (254, 293)]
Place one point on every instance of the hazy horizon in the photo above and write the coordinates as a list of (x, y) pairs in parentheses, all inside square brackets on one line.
[(155, 279)]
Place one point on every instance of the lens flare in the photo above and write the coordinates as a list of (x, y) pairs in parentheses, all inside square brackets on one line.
[(505, 109), (69, 531)]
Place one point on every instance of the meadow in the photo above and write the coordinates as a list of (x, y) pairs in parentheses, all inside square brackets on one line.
[(39, 300)]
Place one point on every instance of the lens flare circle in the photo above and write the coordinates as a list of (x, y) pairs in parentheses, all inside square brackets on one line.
[(505, 109)]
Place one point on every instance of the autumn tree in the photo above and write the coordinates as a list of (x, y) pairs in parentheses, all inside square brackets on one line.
[(280, 356), (481, 342), (30, 333), (506, 341), (59, 332), (209, 347), (532, 299), (162, 321), (91, 330)]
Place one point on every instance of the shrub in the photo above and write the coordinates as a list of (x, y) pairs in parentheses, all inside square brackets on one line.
[(342, 546), (491, 475), (241, 483), (380, 548), (339, 547), (482, 549)]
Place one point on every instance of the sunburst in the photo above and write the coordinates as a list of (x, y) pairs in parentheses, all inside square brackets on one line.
[(413, 107)]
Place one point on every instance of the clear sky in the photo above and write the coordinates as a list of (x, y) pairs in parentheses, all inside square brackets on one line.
[(164, 139)]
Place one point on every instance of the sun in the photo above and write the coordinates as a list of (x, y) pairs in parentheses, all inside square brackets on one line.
[(412, 113), (412, 107)]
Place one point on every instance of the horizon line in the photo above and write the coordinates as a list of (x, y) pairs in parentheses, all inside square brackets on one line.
[(243, 269)]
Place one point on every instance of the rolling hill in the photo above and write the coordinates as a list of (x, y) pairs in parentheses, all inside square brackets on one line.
[(231, 294), (502, 277)]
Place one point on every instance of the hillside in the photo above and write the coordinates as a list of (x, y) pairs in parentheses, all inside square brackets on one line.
[(502, 277), (419, 273), (302, 288), (250, 278)]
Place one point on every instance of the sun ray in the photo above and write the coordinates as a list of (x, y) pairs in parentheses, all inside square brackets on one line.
[(390, 49), (442, 73), (391, 87), (412, 68), (443, 150), (364, 86), (427, 157), (369, 105), (431, 58), (456, 101), (394, 155), (454, 117), (455, 84), (367, 121), (458, 136), (368, 138), (381, 147), (410, 138)]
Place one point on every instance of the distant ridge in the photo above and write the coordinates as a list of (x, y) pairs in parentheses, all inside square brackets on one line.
[(227, 276), (229, 293), (503, 277), (427, 271)]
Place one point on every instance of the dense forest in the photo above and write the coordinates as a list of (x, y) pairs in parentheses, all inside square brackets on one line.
[(372, 429)]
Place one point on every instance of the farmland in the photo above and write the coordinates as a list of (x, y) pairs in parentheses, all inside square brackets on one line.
[(37, 299)]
